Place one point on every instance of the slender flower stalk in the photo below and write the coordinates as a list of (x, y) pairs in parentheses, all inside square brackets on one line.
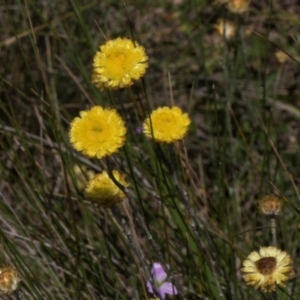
[(140, 255), (183, 196), (194, 226), (271, 206)]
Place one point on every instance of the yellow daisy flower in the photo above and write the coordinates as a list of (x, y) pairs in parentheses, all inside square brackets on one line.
[(98, 132), (102, 190), (118, 63), (268, 268), (167, 124), (9, 280)]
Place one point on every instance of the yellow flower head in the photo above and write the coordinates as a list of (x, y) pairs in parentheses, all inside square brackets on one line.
[(102, 190), (9, 280), (270, 205), (238, 6), (118, 63), (268, 268), (98, 132), (167, 124), (225, 28)]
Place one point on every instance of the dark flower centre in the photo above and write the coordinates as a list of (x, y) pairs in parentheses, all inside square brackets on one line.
[(266, 265)]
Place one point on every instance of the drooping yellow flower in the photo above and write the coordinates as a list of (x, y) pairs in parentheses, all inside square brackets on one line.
[(167, 124), (118, 63), (9, 280), (268, 268), (103, 191), (238, 6), (270, 205), (98, 132)]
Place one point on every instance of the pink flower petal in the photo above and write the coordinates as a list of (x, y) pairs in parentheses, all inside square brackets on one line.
[(158, 272), (150, 288), (168, 288)]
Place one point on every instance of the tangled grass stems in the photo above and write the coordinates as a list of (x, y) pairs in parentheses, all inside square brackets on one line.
[(183, 195), (143, 225), (139, 254), (48, 50)]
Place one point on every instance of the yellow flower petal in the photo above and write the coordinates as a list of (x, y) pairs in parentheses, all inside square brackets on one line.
[(253, 256), (249, 269)]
